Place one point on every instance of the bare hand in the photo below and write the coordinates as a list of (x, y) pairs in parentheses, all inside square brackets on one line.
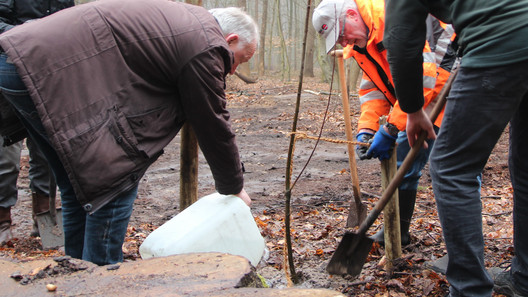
[(245, 197), (416, 123)]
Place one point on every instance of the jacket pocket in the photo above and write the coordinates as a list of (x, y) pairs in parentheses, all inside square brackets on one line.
[(123, 135), (106, 154), (155, 128)]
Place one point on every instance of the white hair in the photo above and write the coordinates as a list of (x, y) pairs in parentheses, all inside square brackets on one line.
[(234, 20)]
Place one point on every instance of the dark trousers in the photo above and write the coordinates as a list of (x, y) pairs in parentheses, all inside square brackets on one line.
[(480, 105)]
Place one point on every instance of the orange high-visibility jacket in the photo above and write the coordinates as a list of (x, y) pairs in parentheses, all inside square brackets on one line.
[(376, 92)]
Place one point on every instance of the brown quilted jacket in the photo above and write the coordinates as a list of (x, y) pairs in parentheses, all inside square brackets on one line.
[(113, 82)]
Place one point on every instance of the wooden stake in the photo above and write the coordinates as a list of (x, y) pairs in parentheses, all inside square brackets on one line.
[(391, 212), (188, 167)]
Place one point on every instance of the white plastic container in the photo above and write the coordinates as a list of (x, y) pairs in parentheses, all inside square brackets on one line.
[(214, 223)]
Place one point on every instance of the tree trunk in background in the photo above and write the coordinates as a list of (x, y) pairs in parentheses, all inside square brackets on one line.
[(310, 44), (354, 75), (256, 58), (292, 38), (284, 49), (244, 67), (195, 2), (263, 27), (271, 65)]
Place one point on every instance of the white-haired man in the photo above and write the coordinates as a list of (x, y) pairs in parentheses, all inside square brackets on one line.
[(103, 87)]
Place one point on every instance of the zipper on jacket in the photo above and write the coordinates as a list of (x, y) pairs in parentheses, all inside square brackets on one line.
[(381, 72)]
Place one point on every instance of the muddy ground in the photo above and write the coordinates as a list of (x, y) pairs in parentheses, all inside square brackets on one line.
[(262, 116)]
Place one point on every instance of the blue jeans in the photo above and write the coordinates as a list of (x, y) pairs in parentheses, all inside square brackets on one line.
[(479, 107), (98, 237), (411, 179)]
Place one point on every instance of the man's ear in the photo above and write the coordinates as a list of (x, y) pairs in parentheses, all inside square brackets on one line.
[(232, 38), (352, 13)]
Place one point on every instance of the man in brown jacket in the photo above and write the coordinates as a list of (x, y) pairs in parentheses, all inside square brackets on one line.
[(103, 87)]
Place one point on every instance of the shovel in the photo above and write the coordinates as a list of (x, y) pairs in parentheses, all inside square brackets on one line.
[(357, 211), (50, 222), (352, 251)]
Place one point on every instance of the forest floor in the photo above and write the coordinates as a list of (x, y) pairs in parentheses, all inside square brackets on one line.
[(262, 116)]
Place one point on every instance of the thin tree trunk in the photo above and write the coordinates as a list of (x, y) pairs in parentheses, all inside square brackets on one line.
[(263, 27), (284, 48), (195, 2), (291, 25), (244, 67), (289, 165), (271, 65), (256, 57), (310, 44), (354, 75)]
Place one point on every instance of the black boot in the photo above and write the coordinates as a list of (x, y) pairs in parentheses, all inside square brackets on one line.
[(406, 201)]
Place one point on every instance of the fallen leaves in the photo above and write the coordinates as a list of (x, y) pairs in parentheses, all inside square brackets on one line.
[(318, 224), (29, 248)]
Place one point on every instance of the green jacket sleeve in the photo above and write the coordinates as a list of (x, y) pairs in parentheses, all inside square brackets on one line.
[(405, 35)]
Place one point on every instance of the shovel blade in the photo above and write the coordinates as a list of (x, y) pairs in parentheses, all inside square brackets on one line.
[(350, 255), (50, 230), (357, 213)]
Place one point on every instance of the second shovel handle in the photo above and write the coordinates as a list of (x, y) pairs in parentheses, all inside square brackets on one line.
[(348, 131)]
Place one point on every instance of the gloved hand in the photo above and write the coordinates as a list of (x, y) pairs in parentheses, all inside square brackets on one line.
[(361, 150), (382, 144)]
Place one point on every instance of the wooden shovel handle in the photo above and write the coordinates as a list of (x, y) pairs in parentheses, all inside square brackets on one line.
[(407, 162), (349, 135)]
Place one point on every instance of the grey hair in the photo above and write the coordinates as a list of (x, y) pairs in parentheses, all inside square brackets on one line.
[(234, 20)]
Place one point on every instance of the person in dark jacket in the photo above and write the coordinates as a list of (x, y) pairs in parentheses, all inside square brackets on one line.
[(490, 91), (14, 13), (126, 75)]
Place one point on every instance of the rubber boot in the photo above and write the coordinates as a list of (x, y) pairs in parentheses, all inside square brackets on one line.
[(5, 225), (40, 204), (406, 201)]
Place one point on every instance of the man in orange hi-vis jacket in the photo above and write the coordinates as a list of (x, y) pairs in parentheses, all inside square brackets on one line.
[(359, 26)]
